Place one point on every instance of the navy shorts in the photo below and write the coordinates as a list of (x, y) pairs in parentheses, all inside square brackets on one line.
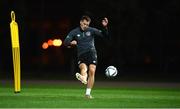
[(88, 58)]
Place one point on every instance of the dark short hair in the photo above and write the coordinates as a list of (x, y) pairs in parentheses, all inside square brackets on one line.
[(85, 17)]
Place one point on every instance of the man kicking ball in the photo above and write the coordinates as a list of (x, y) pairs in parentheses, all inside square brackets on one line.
[(83, 38)]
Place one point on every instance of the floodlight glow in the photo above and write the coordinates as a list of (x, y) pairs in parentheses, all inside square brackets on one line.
[(45, 45), (57, 42)]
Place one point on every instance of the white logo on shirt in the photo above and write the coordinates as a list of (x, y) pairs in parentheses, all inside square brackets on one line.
[(78, 35)]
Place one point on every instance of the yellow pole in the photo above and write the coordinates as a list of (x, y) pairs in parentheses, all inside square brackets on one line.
[(15, 52)]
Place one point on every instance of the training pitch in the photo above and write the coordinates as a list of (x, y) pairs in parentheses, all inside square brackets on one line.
[(70, 94)]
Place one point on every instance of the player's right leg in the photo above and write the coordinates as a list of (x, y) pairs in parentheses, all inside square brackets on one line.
[(83, 73), (91, 78)]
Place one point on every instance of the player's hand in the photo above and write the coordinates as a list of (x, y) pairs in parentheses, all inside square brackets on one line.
[(105, 22), (73, 43)]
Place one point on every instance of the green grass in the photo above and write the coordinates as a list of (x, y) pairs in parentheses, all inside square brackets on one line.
[(44, 95)]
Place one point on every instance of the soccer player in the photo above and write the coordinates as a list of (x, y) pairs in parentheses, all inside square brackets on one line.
[(83, 38)]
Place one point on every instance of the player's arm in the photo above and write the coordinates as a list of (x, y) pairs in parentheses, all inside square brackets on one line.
[(104, 31), (69, 40), (105, 23), (72, 43)]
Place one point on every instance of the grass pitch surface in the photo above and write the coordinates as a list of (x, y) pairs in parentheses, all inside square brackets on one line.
[(57, 94)]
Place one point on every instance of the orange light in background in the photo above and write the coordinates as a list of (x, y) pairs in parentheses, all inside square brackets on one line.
[(45, 45), (50, 42), (57, 42)]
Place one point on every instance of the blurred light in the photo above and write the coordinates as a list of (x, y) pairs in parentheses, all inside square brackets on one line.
[(45, 45), (57, 42), (50, 42)]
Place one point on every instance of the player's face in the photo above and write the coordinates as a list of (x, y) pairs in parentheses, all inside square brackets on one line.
[(84, 24)]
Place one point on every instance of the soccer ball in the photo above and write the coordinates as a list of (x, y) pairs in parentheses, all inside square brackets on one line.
[(111, 71)]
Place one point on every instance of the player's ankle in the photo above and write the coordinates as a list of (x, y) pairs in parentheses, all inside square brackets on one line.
[(88, 91), (84, 77)]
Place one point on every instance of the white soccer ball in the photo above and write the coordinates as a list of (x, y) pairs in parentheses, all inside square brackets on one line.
[(111, 71)]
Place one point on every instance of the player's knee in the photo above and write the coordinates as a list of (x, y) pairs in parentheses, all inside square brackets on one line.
[(83, 67), (92, 71)]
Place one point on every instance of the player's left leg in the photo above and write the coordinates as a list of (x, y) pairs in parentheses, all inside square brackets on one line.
[(83, 73), (91, 79)]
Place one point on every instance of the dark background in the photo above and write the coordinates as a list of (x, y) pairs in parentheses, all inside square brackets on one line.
[(144, 43)]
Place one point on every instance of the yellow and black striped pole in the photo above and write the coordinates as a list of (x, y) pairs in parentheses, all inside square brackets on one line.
[(15, 53)]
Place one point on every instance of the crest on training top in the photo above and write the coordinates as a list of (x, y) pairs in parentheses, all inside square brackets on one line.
[(88, 33)]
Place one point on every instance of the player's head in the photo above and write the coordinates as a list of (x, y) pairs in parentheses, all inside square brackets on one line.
[(84, 22)]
